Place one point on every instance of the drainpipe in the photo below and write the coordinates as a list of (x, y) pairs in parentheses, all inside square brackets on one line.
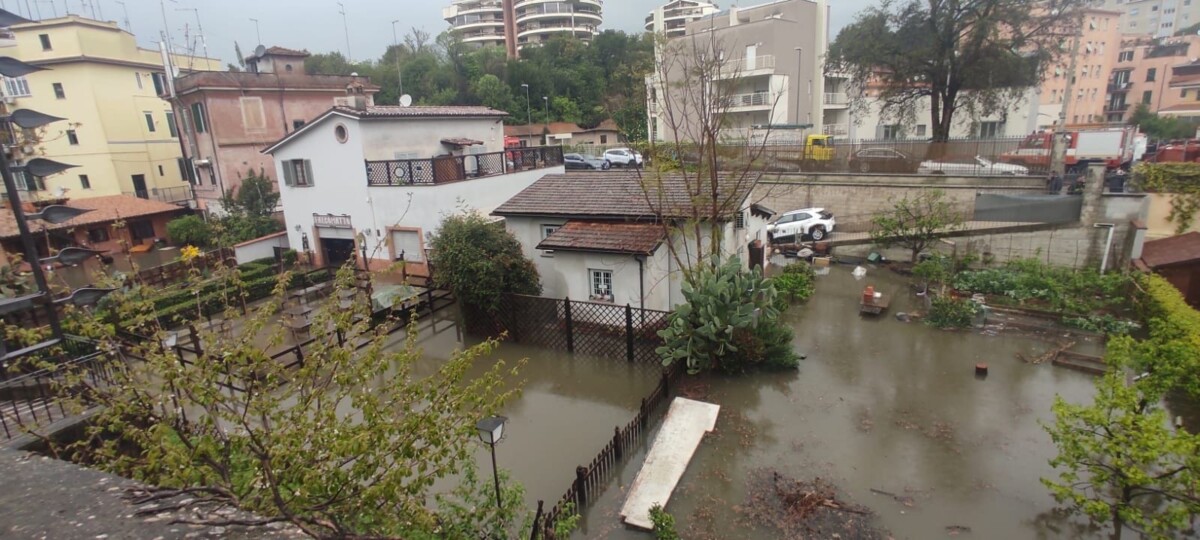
[(1107, 244), (641, 259)]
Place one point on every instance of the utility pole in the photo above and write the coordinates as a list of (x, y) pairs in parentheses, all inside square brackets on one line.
[(1058, 156), (199, 28), (396, 49), (125, 9), (257, 33), (528, 110), (166, 27), (346, 28)]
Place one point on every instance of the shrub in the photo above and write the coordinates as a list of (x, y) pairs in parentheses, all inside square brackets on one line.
[(664, 524), (796, 284), (191, 231), (479, 260), (1064, 290), (729, 323), (950, 312), (290, 257)]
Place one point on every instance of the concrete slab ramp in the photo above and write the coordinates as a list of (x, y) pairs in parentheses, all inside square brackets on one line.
[(682, 430)]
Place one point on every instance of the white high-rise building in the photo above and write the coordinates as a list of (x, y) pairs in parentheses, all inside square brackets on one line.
[(517, 23), (671, 19), (1159, 18)]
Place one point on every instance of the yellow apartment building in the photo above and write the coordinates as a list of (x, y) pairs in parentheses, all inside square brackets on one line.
[(121, 135)]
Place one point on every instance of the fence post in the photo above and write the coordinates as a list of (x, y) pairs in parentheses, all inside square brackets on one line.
[(629, 332), (581, 486), (537, 522), (341, 338), (617, 446), (195, 341), (570, 330), (642, 413)]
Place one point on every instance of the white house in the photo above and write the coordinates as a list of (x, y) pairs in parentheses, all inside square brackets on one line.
[(1019, 119), (600, 237), (378, 180)]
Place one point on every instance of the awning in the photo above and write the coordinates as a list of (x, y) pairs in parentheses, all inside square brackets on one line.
[(606, 237), (460, 141)]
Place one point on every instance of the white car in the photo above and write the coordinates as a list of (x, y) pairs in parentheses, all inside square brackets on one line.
[(623, 157), (976, 166), (792, 227)]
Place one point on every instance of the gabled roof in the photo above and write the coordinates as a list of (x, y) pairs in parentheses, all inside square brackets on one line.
[(606, 237), (621, 195), (103, 210), (389, 112), (1171, 251), (554, 128)]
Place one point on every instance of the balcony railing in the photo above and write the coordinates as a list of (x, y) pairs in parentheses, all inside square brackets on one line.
[(753, 99), (1116, 107), (836, 98), (735, 66), (173, 195), (447, 169), (837, 130), (1119, 86)]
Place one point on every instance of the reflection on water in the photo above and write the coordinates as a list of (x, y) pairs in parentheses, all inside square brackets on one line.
[(885, 405), (85, 274)]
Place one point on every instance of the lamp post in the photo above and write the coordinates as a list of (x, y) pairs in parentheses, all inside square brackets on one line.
[(528, 111), (546, 136), (491, 430), (799, 72), (396, 48)]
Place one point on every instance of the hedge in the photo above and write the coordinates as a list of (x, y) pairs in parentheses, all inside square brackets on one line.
[(250, 271), (1172, 350), (211, 300)]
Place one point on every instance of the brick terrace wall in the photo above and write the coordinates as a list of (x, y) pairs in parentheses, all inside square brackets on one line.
[(854, 198)]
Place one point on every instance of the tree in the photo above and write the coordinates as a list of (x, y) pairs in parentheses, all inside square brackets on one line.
[(479, 260), (492, 92), (190, 231), (1120, 461), (915, 223), (347, 443), (960, 55), (249, 210), (1161, 128)]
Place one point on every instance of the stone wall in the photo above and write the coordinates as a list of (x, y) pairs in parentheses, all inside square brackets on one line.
[(854, 198)]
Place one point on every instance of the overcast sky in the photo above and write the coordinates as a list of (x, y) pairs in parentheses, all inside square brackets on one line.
[(316, 25)]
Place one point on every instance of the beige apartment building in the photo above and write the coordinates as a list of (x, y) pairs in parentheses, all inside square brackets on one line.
[(1157, 18), (1099, 43)]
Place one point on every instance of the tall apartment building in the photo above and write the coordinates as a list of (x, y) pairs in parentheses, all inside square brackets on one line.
[(671, 19), (1099, 44), (1143, 74), (120, 135), (514, 24), (772, 75), (1158, 18)]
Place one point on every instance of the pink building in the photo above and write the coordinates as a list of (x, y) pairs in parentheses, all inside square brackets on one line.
[(1144, 74), (229, 117), (1099, 44)]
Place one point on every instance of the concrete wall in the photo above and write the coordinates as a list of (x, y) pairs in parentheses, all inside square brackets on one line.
[(855, 198), (260, 248), (1157, 223), (422, 137)]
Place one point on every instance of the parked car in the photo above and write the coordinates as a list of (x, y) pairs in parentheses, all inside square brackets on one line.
[(584, 161), (871, 160), (976, 166), (794, 226), (623, 157)]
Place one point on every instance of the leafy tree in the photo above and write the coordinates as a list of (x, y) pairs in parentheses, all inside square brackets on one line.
[(190, 231), (492, 92), (479, 261), (960, 55), (249, 211), (914, 223), (1120, 462), (1161, 127), (729, 323)]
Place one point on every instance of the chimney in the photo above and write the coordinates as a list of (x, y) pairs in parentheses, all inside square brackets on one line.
[(733, 15), (354, 91)]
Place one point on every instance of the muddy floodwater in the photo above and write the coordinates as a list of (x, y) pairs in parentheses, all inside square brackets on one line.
[(879, 405)]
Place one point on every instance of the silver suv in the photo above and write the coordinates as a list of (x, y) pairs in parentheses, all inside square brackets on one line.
[(623, 157), (792, 227)]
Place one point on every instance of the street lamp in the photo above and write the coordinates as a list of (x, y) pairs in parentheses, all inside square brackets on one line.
[(491, 430), (396, 49), (70, 256), (799, 74), (528, 112), (546, 137)]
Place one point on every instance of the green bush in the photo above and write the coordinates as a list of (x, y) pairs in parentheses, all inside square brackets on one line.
[(729, 323), (664, 524), (950, 312), (1066, 291), (479, 261), (190, 231), (796, 284), (290, 257)]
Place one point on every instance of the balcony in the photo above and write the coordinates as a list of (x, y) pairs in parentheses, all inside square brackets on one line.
[(448, 169), (837, 99), (1119, 86), (750, 101), (531, 29), (836, 130), (180, 195), (1116, 107), (746, 67)]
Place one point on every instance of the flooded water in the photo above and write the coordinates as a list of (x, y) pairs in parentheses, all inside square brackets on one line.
[(885, 405)]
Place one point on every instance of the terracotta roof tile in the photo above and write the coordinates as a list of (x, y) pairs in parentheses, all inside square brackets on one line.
[(396, 111), (618, 194), (103, 210), (1170, 251), (606, 236), (242, 79), (556, 128), (283, 51)]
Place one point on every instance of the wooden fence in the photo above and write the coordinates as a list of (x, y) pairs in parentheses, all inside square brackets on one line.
[(176, 271), (586, 328), (589, 481)]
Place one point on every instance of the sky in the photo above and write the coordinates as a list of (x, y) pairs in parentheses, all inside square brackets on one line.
[(316, 25)]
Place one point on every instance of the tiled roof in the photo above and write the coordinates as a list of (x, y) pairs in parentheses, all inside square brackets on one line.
[(282, 51), (103, 210), (1171, 251), (556, 128), (396, 111), (606, 236), (275, 81), (607, 125), (460, 141), (621, 194)]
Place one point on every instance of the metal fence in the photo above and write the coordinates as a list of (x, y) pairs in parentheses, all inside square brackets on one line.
[(585, 328), (446, 169), (173, 195), (40, 398)]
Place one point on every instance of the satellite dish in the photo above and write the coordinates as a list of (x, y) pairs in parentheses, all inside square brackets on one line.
[(405, 100), (260, 50)]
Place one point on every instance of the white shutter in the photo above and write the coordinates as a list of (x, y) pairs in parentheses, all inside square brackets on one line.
[(308, 175), (408, 243), (289, 175)]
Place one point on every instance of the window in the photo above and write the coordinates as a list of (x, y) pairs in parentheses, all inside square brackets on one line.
[(1183, 93), (739, 220), (97, 235), (406, 246), (253, 117), (16, 87), (920, 131), (160, 83), (1197, 96), (137, 76), (604, 139), (161, 172), (602, 285), (198, 117), (45, 39), (59, 92), (297, 124), (141, 229), (342, 135), (1147, 96), (149, 121), (72, 138), (991, 130), (29, 182), (186, 172), (547, 230), (1125, 56), (287, 68), (297, 173), (171, 127), (892, 131), (84, 182)]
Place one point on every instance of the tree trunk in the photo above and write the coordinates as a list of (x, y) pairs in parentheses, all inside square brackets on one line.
[(916, 253)]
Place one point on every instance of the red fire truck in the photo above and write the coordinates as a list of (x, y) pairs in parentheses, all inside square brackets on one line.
[(1114, 147)]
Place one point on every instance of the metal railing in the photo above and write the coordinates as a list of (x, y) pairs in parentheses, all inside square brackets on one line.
[(837, 130), (41, 398), (172, 195), (753, 99), (446, 169), (836, 98), (739, 65)]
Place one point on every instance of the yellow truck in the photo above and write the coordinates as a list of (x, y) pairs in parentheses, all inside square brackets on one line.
[(817, 154)]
